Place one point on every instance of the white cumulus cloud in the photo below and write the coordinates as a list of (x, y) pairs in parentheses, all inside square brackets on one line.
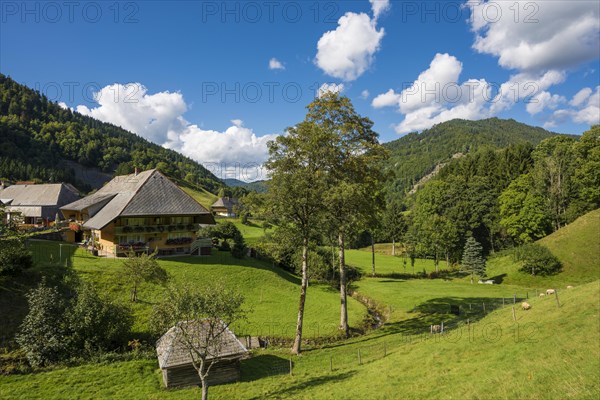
[(275, 64), (537, 36), (348, 51), (580, 97), (379, 7), (159, 118), (585, 109), (131, 107), (543, 100), (437, 96)]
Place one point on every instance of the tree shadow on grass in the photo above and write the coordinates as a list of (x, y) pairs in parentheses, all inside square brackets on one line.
[(310, 383), (264, 365), (223, 257), (452, 311)]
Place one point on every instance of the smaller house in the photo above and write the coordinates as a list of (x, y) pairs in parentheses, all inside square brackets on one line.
[(175, 360), (225, 207), (38, 204)]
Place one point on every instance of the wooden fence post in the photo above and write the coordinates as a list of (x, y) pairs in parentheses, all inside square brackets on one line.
[(359, 358), (331, 363), (502, 300), (483, 307), (384, 349), (556, 296), (515, 298), (514, 315), (291, 367)]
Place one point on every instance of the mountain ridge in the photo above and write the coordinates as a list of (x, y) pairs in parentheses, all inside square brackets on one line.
[(415, 155)]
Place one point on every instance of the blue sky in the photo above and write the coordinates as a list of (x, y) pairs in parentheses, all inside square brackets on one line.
[(216, 80)]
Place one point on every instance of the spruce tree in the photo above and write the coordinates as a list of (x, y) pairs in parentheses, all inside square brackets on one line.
[(472, 259)]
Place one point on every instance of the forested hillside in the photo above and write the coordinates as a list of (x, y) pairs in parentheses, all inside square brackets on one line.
[(37, 135), (505, 197), (416, 154)]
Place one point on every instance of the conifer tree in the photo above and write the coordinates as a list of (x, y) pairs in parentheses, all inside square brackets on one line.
[(472, 259)]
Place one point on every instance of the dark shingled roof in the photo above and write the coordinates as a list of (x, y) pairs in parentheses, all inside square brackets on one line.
[(158, 196), (147, 193), (172, 351), (52, 194)]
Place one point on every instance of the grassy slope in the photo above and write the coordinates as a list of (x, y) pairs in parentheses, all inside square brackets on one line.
[(576, 245), (271, 293), (251, 232), (550, 353), (387, 264), (203, 197)]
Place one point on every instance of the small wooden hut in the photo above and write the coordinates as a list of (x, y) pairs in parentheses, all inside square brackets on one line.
[(175, 360)]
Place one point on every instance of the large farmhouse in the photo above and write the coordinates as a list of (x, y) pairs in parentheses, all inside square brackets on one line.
[(175, 359), (37, 204), (144, 211)]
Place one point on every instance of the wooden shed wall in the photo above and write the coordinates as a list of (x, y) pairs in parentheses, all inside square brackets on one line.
[(222, 372)]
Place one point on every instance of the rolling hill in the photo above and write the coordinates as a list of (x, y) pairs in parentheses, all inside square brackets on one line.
[(577, 246), (416, 155), (256, 186)]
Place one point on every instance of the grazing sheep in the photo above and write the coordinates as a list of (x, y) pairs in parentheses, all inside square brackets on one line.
[(542, 294), (550, 291), (569, 287), (525, 305), (436, 328)]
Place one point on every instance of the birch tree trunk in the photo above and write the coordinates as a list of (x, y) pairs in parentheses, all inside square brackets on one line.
[(297, 348), (343, 289)]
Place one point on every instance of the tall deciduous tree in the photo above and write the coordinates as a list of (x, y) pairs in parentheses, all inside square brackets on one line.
[(394, 223), (522, 211), (201, 319), (554, 166), (355, 177), (587, 172), (472, 259), (297, 164)]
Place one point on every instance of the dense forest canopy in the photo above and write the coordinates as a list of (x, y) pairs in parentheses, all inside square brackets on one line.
[(37, 135), (506, 197)]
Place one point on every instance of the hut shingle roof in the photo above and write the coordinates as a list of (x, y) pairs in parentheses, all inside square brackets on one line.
[(172, 351)]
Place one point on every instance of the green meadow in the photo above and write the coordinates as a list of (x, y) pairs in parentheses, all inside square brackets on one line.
[(490, 348)]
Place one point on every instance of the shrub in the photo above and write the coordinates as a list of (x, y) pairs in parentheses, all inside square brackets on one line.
[(14, 257), (56, 329), (96, 324), (537, 260), (43, 334)]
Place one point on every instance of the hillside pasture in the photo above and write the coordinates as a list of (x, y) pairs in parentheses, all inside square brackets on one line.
[(271, 294), (546, 353), (577, 246)]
